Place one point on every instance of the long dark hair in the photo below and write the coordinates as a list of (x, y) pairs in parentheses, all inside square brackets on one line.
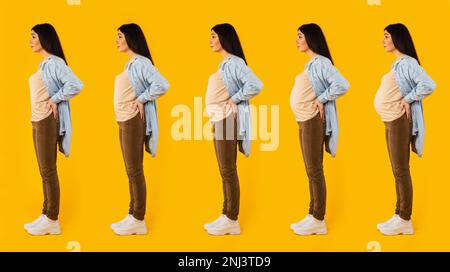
[(229, 40), (402, 39), (316, 40), (49, 40), (136, 40)]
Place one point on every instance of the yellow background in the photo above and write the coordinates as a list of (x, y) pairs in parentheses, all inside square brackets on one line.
[(184, 187)]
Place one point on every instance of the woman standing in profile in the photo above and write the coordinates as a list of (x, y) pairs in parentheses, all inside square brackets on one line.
[(51, 88), (399, 104), (313, 103), (227, 103), (135, 94)]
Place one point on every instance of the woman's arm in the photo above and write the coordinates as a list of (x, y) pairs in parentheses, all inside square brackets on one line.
[(424, 85), (158, 85), (338, 85), (71, 85), (251, 85)]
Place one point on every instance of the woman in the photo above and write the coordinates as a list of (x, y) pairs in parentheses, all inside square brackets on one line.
[(135, 94), (399, 104), (51, 88), (227, 102), (313, 104)]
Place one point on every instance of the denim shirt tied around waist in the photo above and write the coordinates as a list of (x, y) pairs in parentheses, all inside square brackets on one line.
[(242, 84), (149, 85), (62, 85), (328, 84), (414, 84)]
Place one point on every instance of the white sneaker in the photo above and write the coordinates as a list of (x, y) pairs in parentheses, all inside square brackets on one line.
[(224, 227), (45, 226), (398, 226), (301, 222), (385, 224), (131, 226), (34, 223), (121, 222), (312, 226), (215, 222)]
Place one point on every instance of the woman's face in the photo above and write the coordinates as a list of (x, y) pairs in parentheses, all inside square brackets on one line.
[(387, 42), (214, 42), (35, 44), (302, 45), (121, 42)]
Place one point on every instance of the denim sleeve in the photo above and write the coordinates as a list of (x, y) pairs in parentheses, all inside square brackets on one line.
[(251, 85), (424, 85), (337, 84), (157, 84), (71, 85)]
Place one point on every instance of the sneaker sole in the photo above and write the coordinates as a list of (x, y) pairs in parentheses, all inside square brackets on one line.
[(130, 234), (310, 233), (218, 233), (43, 233), (397, 233)]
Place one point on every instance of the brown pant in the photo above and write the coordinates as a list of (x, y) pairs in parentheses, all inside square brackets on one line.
[(226, 146), (45, 140), (312, 137), (132, 138), (398, 139)]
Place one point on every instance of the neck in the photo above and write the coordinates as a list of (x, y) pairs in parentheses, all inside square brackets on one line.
[(131, 54), (311, 54), (44, 54), (224, 54), (398, 54)]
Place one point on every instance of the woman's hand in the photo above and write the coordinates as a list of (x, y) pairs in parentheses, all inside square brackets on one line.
[(319, 106), (229, 104), (407, 107), (139, 106), (54, 107)]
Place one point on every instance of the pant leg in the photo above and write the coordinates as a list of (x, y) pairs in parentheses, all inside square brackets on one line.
[(45, 138), (225, 145), (121, 139), (397, 203), (311, 189), (132, 133), (399, 141), (218, 128), (34, 133), (312, 137)]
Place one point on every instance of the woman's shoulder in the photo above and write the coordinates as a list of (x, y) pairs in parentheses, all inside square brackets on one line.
[(321, 61), (233, 61), (406, 63), (140, 62), (237, 60), (53, 62)]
